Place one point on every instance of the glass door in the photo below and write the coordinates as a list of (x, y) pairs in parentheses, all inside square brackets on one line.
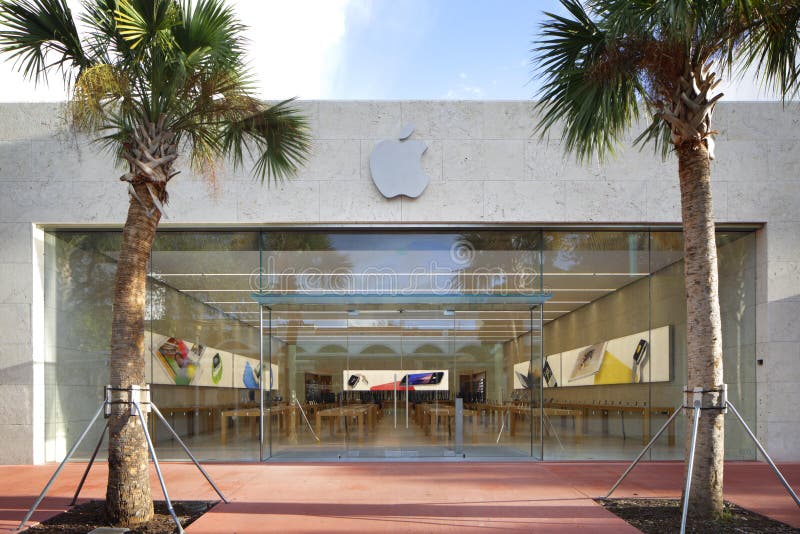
[(308, 356), (498, 368), (417, 380)]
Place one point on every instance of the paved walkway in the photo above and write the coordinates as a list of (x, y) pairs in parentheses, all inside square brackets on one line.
[(406, 497)]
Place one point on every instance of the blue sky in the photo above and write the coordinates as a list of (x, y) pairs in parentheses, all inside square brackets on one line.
[(441, 49), (381, 49)]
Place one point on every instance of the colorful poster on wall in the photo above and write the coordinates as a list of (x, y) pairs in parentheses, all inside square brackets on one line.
[(389, 380), (638, 358), (247, 373), (217, 368), (526, 377), (175, 361)]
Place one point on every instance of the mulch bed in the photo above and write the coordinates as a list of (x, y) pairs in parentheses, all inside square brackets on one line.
[(88, 516), (662, 516)]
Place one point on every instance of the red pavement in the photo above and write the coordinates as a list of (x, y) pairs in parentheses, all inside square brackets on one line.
[(406, 497)]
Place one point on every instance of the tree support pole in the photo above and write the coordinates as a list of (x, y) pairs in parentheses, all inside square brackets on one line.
[(697, 405), (136, 394), (135, 406), (766, 456), (188, 452), (690, 466), (89, 466), (60, 467), (296, 400), (644, 451)]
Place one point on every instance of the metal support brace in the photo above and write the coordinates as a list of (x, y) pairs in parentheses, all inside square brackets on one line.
[(188, 452), (139, 401), (58, 470), (135, 407), (89, 466), (766, 456), (690, 464), (311, 428), (641, 454), (700, 401)]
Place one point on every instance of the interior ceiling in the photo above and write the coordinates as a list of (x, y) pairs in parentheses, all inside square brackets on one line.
[(225, 280)]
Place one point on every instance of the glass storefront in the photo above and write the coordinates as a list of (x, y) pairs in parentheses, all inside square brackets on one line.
[(476, 343)]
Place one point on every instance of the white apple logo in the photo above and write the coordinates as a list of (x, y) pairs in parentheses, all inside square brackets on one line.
[(396, 166)]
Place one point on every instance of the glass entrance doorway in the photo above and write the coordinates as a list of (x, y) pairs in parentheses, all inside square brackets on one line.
[(387, 380), (401, 345)]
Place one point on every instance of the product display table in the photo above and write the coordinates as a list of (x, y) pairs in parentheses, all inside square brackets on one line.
[(604, 409), (428, 416), (205, 415), (521, 412), (278, 412), (337, 416), (495, 414)]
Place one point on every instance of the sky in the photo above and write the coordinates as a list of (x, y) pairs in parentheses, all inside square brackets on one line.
[(381, 49)]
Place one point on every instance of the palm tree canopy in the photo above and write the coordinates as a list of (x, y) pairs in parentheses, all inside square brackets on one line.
[(607, 61), (167, 65)]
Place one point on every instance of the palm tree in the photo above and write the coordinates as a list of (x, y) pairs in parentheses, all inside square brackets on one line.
[(150, 80), (603, 64)]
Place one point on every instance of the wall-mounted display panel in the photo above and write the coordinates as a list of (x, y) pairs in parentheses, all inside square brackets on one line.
[(635, 359), (398, 379)]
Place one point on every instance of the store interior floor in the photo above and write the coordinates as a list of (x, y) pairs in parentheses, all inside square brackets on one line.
[(387, 441)]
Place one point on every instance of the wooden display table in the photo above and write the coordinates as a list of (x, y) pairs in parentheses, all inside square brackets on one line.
[(521, 412), (428, 415), (337, 416), (497, 412), (288, 425), (207, 416), (494, 412), (604, 410)]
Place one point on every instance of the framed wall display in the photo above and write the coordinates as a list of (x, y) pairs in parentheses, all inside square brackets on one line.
[(639, 358), (388, 380)]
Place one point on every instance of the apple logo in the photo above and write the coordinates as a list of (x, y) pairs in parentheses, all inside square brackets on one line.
[(396, 166)]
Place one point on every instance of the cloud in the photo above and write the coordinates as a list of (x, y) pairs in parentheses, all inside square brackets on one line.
[(295, 46), (464, 92), (294, 49)]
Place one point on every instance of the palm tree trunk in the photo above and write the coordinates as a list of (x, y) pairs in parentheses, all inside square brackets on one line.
[(128, 499), (704, 327)]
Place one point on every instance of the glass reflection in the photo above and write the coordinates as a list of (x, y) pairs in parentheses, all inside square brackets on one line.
[(570, 389)]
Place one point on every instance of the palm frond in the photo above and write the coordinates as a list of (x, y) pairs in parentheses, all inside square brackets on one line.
[(590, 82), (210, 31), (104, 38), (173, 65), (40, 35), (771, 46), (147, 22), (276, 136)]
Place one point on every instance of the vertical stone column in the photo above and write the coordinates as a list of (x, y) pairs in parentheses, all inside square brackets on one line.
[(778, 337), (21, 431)]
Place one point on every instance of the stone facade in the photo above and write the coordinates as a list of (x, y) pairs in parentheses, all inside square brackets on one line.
[(485, 168)]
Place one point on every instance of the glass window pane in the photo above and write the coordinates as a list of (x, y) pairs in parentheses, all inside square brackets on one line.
[(203, 344), (597, 402), (79, 287)]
